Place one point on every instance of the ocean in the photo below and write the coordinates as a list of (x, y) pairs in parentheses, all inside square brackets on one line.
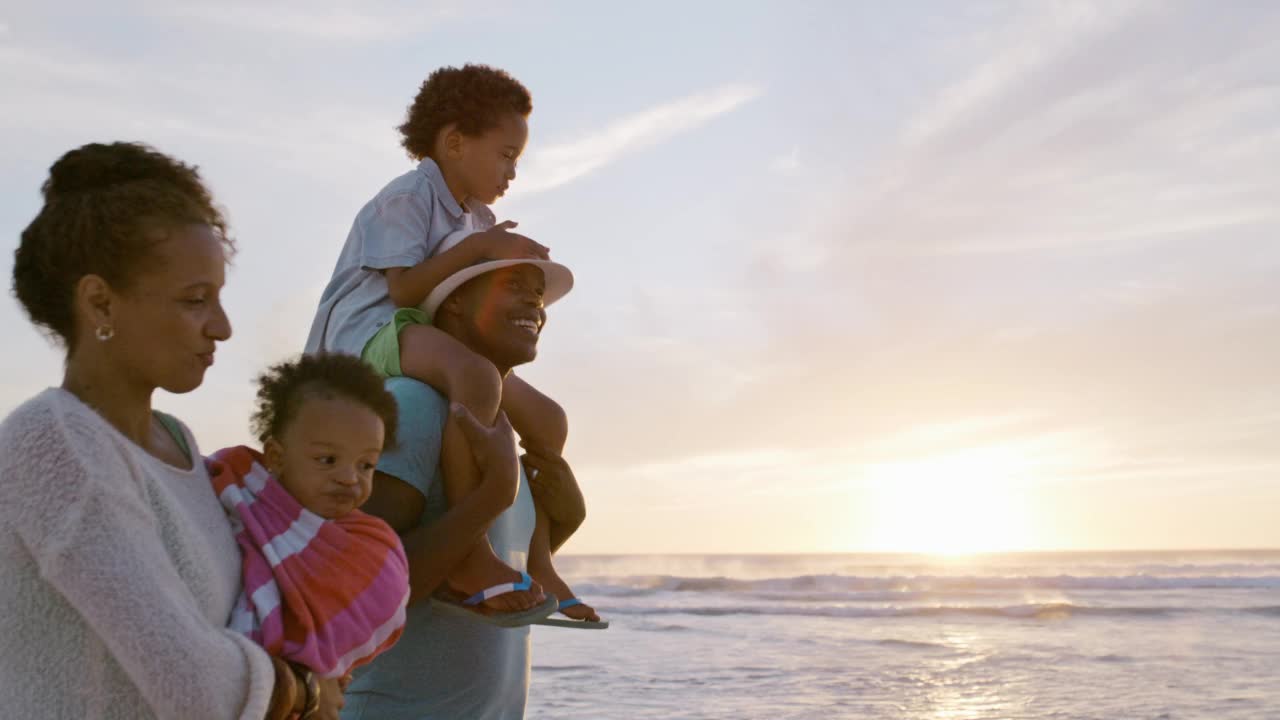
[(1167, 635)]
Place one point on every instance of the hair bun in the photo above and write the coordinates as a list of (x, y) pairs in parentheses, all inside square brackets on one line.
[(99, 166)]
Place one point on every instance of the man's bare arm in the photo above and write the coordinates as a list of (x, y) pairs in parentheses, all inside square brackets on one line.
[(433, 550), (556, 490)]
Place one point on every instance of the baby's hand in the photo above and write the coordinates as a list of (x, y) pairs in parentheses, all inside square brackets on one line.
[(499, 243)]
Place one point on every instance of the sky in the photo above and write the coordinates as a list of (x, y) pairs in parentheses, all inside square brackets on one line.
[(921, 276)]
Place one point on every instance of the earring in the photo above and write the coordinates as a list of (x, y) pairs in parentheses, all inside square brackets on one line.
[(104, 333)]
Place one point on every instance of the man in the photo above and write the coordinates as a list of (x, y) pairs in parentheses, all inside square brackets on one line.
[(447, 665)]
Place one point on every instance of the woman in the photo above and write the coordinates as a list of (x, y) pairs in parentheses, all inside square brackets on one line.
[(119, 567)]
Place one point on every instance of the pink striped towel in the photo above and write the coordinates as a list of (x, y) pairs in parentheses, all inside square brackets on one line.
[(329, 594)]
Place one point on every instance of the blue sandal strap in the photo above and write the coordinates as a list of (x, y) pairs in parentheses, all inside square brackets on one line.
[(569, 603), (525, 583)]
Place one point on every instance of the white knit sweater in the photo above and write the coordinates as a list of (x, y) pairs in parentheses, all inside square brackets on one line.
[(117, 576)]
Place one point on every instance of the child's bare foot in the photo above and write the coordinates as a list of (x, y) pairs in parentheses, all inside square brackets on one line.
[(581, 611), (482, 569), (555, 585)]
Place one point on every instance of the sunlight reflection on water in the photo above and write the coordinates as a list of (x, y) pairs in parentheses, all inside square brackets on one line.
[(1031, 637)]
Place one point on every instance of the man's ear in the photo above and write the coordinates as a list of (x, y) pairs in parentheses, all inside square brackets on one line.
[(273, 453), (451, 304)]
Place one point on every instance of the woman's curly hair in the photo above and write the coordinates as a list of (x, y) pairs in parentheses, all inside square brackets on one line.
[(103, 204), (476, 97), (284, 387)]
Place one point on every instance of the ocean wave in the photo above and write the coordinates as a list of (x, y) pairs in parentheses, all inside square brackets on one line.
[(1268, 610), (895, 587), (565, 668), (911, 644), (1219, 570), (1028, 611), (662, 628)]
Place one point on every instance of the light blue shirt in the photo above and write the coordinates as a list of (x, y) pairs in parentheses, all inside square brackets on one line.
[(445, 667), (400, 227)]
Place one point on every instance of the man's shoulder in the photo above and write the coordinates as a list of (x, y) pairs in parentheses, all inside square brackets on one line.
[(421, 413), (414, 393)]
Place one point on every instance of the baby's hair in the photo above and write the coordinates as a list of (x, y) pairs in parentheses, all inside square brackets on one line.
[(476, 97), (284, 387), (102, 207)]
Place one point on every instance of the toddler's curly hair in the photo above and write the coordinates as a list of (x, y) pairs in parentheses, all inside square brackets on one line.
[(284, 387), (476, 97)]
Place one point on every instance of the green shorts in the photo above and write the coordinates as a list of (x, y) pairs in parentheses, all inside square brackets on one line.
[(382, 352)]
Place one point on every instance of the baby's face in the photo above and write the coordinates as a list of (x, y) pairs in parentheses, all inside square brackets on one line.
[(327, 454)]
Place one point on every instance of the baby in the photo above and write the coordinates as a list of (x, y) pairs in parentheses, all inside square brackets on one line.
[(325, 585)]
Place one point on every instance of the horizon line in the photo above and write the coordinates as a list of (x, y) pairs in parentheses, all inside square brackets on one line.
[(907, 553)]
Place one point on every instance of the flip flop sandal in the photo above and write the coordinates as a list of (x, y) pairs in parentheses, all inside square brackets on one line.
[(470, 606), (571, 623)]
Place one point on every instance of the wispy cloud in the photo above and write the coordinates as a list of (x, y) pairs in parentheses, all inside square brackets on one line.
[(312, 21), (53, 90), (1070, 138), (563, 163), (1024, 48)]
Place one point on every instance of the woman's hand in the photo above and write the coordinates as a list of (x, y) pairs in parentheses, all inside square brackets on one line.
[(331, 699)]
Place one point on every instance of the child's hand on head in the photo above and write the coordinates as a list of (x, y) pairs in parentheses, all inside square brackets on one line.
[(499, 243)]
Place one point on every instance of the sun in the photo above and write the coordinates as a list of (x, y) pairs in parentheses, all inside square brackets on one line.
[(969, 501)]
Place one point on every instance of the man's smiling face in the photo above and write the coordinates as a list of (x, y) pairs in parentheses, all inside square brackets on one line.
[(501, 314)]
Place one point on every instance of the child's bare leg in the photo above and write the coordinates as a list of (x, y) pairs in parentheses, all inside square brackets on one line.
[(441, 361), (538, 420), (542, 570), (542, 426), (438, 359)]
